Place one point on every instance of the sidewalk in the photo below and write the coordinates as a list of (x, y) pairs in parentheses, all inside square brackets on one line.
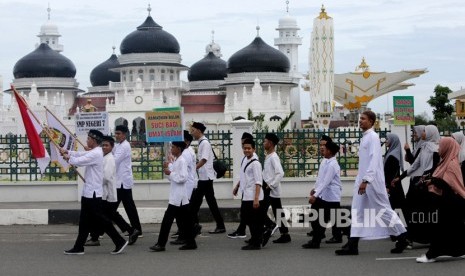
[(149, 211)]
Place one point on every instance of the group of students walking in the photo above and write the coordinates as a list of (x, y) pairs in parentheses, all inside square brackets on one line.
[(436, 192)]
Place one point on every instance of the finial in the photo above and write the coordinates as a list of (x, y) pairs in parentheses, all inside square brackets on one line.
[(48, 11), (363, 66), (323, 14), (149, 9), (287, 6), (258, 31), (322, 8), (213, 36), (113, 49)]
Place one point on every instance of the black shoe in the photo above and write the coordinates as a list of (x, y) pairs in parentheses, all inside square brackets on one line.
[(178, 242), (266, 236), (334, 240), (133, 237), (217, 231), (157, 248), (400, 247), (197, 229), (346, 251), (285, 238), (311, 245), (251, 247), (237, 235), (119, 249), (175, 235), (74, 251), (92, 243), (188, 247)]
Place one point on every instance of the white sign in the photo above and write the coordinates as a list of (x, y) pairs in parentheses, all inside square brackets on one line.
[(86, 121)]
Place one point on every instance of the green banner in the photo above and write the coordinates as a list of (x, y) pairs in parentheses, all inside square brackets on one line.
[(403, 110)]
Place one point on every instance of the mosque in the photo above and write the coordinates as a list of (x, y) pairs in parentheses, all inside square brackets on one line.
[(146, 75)]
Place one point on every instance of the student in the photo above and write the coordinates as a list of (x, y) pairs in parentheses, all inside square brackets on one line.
[(393, 166), (239, 233), (206, 176), (91, 200), (252, 200), (272, 174), (326, 196), (122, 154), (178, 203)]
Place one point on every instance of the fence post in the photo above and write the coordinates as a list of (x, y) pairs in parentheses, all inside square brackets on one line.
[(237, 129)]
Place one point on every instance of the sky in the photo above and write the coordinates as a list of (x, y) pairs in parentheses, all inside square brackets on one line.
[(392, 35)]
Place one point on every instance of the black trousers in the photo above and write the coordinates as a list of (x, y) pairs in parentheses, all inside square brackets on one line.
[(205, 188), (254, 219), (125, 196), (184, 220), (325, 207), (92, 216), (109, 210), (275, 203)]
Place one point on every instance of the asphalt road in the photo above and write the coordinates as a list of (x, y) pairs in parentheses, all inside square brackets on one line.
[(38, 250)]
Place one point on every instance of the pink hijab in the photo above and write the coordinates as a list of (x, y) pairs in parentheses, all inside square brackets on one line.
[(449, 167)]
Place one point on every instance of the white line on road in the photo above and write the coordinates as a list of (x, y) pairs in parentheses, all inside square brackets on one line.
[(395, 259)]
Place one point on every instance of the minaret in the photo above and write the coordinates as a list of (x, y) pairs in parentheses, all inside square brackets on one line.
[(213, 47), (49, 34), (288, 43), (322, 69)]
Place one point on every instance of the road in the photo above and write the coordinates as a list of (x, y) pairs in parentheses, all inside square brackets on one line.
[(38, 250)]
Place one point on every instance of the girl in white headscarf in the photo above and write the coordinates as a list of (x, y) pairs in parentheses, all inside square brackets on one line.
[(418, 199), (410, 156), (393, 166), (460, 138)]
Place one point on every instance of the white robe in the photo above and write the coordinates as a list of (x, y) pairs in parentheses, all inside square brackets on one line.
[(372, 215)]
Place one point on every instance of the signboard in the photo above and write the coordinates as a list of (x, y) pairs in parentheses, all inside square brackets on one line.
[(86, 121), (403, 110), (164, 125)]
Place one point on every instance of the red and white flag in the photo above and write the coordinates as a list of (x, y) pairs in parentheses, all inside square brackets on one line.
[(33, 128)]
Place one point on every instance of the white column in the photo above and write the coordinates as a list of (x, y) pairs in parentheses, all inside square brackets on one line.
[(237, 129)]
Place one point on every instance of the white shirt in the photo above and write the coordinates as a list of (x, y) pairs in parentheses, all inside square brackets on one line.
[(273, 173), (109, 178), (122, 155), (328, 183), (178, 179), (244, 162), (375, 200), (206, 172), (189, 156), (252, 177), (93, 161)]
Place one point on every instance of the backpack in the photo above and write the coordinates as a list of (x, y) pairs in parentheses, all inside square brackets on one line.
[(218, 165)]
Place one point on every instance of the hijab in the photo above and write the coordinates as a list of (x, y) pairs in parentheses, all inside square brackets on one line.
[(419, 129), (449, 167), (430, 145), (460, 138), (432, 137), (394, 150)]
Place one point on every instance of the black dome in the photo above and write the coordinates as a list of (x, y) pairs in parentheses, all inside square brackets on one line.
[(149, 38), (44, 62), (210, 67), (101, 74), (258, 57)]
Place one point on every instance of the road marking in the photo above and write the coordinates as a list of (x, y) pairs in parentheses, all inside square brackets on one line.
[(395, 259)]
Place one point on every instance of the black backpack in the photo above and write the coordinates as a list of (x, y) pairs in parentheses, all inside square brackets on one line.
[(218, 165)]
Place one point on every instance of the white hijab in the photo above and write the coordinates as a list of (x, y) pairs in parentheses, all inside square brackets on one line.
[(419, 129), (424, 161), (460, 138)]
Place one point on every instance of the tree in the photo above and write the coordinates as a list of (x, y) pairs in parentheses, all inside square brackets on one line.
[(442, 108), (422, 119), (285, 121)]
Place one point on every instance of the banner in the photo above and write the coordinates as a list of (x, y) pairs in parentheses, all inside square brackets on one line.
[(62, 138), (33, 129), (86, 121), (164, 125), (403, 110)]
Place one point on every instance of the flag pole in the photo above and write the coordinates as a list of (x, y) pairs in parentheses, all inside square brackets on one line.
[(79, 141), (47, 130)]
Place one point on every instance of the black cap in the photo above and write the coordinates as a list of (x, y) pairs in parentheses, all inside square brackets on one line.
[(95, 134), (272, 137), (326, 138), (188, 136), (108, 139), (246, 135), (199, 126), (178, 144), (122, 128), (333, 147)]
